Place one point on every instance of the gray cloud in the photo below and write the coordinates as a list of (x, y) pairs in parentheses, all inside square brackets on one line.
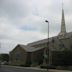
[(12, 8), (15, 15)]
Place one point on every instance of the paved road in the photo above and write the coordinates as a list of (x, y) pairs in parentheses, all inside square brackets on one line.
[(19, 69), (25, 69)]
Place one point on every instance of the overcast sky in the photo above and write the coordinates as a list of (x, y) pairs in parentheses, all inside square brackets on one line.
[(23, 21)]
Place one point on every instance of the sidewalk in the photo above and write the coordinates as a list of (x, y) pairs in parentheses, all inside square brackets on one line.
[(35, 68)]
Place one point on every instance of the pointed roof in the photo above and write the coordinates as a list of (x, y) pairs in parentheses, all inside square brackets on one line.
[(63, 27), (30, 49), (27, 48)]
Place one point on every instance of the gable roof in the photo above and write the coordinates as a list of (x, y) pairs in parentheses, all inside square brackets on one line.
[(28, 48), (41, 41), (67, 35)]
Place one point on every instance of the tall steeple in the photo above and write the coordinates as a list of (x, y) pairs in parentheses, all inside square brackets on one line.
[(63, 27)]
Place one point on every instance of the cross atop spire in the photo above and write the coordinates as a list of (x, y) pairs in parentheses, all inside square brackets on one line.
[(63, 27)]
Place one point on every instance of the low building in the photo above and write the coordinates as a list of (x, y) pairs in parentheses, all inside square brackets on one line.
[(59, 44), (34, 53), (26, 56)]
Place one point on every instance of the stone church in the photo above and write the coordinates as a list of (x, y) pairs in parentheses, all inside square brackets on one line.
[(40, 52)]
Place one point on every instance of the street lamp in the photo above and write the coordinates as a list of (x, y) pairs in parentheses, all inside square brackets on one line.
[(47, 52)]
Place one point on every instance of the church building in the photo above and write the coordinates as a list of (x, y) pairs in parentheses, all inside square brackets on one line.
[(38, 52)]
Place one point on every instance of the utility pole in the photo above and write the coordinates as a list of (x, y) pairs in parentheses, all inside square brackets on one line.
[(45, 63), (48, 50)]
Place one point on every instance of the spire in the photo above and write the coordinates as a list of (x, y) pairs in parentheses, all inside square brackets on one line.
[(63, 27)]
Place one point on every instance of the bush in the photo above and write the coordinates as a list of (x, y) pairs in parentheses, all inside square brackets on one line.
[(62, 58), (47, 66), (26, 65)]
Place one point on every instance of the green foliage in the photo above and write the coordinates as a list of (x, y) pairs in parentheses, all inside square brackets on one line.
[(63, 58), (26, 65), (4, 57)]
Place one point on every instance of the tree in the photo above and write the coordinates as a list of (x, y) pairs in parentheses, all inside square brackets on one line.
[(4, 57), (62, 58)]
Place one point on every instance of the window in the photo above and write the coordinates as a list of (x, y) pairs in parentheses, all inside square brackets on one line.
[(17, 56)]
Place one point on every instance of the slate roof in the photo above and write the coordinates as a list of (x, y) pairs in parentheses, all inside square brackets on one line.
[(38, 42), (30, 49), (67, 35), (42, 41)]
